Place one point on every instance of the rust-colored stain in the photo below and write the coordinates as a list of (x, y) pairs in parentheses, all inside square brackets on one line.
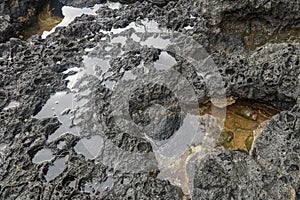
[(46, 21), (243, 122)]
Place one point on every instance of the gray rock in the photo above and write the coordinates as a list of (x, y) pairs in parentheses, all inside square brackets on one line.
[(30, 71), (6, 29), (235, 175), (277, 148), (21, 15), (142, 187), (268, 74), (81, 3)]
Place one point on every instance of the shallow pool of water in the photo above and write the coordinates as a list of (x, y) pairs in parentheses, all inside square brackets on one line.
[(59, 105), (70, 13), (90, 147), (50, 18), (243, 123), (56, 168), (43, 155), (76, 108)]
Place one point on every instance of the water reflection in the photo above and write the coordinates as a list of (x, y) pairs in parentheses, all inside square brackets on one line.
[(56, 168), (43, 155), (165, 61), (175, 100), (59, 105), (90, 147), (70, 13)]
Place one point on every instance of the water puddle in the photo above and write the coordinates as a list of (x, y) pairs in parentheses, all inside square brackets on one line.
[(54, 15), (56, 168), (188, 27), (91, 187), (72, 184), (173, 157), (81, 108), (244, 122), (56, 105), (43, 155), (59, 105), (65, 104), (113, 5), (2, 147), (90, 147), (165, 61), (70, 13), (142, 26), (107, 184)]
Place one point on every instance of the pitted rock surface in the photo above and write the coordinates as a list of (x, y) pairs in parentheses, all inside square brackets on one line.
[(235, 175), (31, 71), (277, 149), (18, 15)]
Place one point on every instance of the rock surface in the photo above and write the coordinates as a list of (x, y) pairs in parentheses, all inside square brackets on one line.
[(258, 68), (21, 14), (270, 172), (235, 175)]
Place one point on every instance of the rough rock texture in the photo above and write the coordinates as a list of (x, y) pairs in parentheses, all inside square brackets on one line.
[(88, 3), (21, 14), (269, 74), (142, 187), (30, 71), (6, 28), (270, 172), (235, 175), (277, 149), (84, 3)]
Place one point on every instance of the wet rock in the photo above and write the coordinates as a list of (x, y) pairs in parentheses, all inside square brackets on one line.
[(246, 74), (21, 14), (86, 3), (146, 96), (235, 175), (81, 3), (159, 2), (6, 29), (277, 149), (142, 187), (267, 74), (30, 71)]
